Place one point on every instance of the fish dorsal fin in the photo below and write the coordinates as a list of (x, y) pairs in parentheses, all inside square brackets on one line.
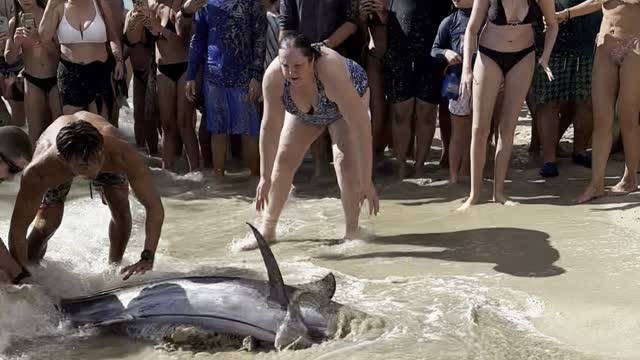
[(325, 287), (276, 283)]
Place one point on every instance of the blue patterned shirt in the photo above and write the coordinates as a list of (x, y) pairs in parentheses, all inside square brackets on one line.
[(230, 35)]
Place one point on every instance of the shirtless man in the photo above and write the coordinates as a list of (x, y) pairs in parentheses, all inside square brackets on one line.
[(15, 154), (84, 144)]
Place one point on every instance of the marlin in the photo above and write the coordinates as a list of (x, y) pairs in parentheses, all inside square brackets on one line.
[(268, 311)]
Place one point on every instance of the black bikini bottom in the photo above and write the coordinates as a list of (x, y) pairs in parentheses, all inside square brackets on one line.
[(45, 84), (173, 71), (506, 60)]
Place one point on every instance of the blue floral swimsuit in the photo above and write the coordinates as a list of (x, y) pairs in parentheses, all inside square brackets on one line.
[(327, 111)]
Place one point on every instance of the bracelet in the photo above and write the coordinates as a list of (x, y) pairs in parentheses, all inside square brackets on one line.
[(23, 275), (568, 14)]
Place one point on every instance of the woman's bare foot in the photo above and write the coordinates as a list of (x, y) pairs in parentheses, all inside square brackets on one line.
[(467, 204), (590, 193), (249, 242), (624, 187), (501, 198)]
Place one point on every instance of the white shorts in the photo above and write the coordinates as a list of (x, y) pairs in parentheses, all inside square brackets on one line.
[(461, 106)]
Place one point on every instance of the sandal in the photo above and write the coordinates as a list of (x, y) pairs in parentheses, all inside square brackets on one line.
[(549, 169), (582, 158)]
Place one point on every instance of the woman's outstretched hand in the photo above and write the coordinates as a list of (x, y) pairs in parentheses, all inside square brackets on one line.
[(370, 194), (262, 193)]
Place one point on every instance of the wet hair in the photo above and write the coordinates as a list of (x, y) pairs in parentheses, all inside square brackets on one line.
[(299, 41), (15, 143), (79, 140), (18, 11)]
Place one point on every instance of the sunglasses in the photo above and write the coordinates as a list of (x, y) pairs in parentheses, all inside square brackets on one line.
[(12, 167)]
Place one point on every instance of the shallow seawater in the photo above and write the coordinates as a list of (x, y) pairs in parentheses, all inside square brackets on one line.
[(540, 280)]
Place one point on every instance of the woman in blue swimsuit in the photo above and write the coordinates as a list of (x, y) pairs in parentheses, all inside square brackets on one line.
[(306, 90)]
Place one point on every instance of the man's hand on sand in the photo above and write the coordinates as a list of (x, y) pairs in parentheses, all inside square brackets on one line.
[(138, 268)]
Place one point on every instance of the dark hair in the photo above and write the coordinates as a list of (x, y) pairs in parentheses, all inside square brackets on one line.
[(15, 143), (299, 41), (79, 140), (17, 12)]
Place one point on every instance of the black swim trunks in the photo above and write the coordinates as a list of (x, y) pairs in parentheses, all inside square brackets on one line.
[(57, 196), (410, 70)]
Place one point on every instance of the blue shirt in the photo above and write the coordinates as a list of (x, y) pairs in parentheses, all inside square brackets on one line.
[(230, 35), (451, 36)]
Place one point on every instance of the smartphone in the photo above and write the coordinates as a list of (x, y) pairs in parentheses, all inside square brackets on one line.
[(28, 21), (4, 25)]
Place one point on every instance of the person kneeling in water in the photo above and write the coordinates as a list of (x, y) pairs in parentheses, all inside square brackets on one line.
[(84, 144), (307, 89), (15, 154)]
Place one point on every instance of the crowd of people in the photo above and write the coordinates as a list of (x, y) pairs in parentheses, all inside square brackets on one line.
[(351, 77)]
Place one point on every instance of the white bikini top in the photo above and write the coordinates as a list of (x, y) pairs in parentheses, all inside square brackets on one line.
[(96, 32)]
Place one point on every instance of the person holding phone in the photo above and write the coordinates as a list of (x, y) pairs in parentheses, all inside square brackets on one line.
[(506, 57), (170, 23), (10, 71), (141, 48), (42, 98), (90, 44)]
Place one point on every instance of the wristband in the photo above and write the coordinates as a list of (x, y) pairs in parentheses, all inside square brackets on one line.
[(568, 14), (147, 255), (23, 275), (184, 13)]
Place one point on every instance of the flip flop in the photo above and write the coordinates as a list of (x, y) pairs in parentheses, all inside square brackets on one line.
[(582, 158), (549, 169)]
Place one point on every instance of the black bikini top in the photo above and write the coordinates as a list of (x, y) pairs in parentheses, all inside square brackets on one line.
[(498, 17)]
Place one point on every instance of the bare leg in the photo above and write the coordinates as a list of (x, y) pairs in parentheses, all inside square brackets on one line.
[(516, 84), (117, 198), (205, 144), (251, 154), (402, 114), (186, 126), (426, 116), (486, 84), (548, 118), (345, 161), (167, 92), (55, 107), (139, 123), (582, 126), (219, 153), (377, 104), (45, 225), (36, 109), (459, 147), (605, 83), (319, 152), (629, 102), (296, 138), (444, 119)]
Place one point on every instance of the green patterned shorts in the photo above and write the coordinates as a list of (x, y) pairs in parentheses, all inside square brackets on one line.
[(56, 197), (572, 81)]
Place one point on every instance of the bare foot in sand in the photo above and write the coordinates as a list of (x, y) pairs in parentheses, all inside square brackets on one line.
[(623, 188), (467, 204), (591, 193), (249, 242), (503, 199)]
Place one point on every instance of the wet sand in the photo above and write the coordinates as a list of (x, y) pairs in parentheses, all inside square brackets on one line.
[(545, 279)]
